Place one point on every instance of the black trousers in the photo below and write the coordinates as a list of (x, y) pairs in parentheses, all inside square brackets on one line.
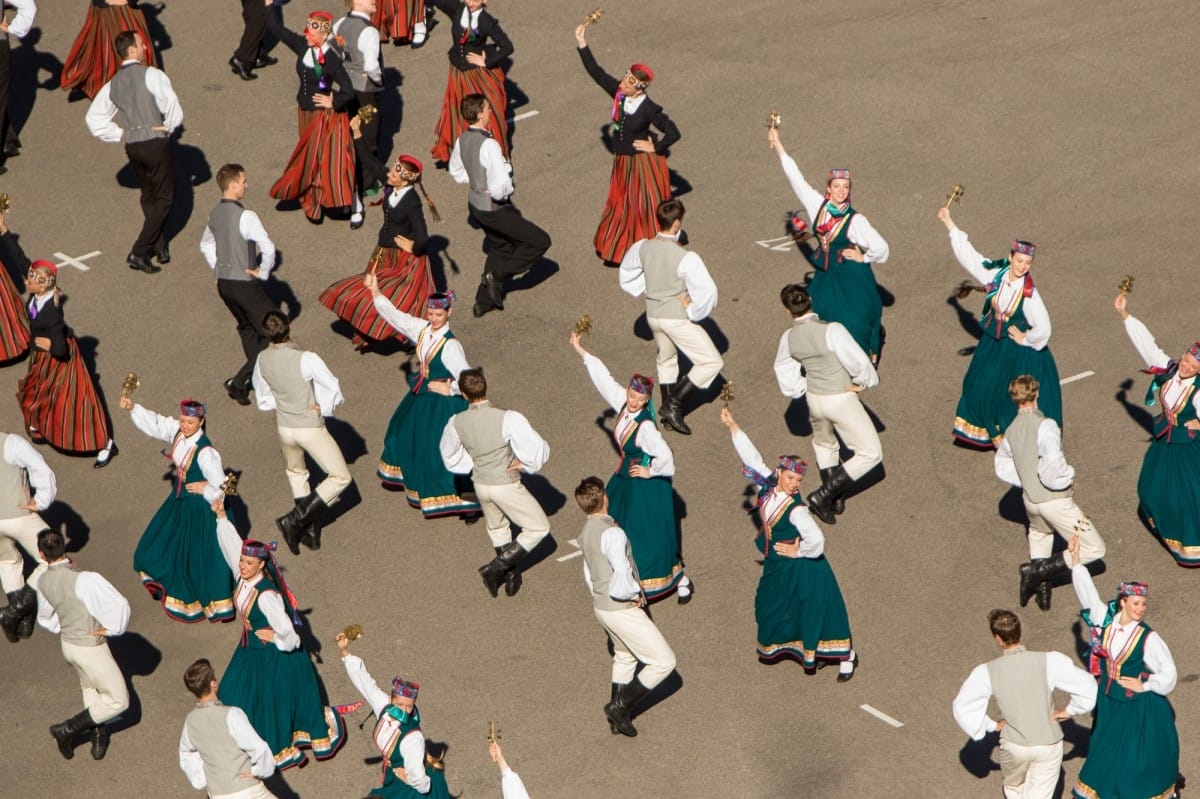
[(8, 134), (254, 19), (514, 245), (247, 300), (154, 164)]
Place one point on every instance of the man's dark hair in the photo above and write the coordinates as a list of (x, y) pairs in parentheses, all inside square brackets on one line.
[(795, 298), (124, 41), (1006, 626), (473, 384), (199, 677), (590, 494), (669, 212), (277, 327), (471, 107), (51, 544), (228, 174)]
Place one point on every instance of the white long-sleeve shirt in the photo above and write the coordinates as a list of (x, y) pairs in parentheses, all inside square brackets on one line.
[(454, 358), (269, 602), (1053, 470), (164, 428), (1116, 637), (262, 761), (613, 542), (1174, 390), (19, 25), (970, 259), (327, 389), (527, 446), (859, 232), (812, 544), (789, 373), (104, 602), (647, 437), (693, 272), (102, 112), (250, 227), (971, 704), (368, 45), (20, 453), (412, 746), (491, 158), (511, 786)]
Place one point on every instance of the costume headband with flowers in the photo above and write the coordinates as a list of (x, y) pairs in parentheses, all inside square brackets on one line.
[(192, 409), (794, 464), (1024, 247), (1195, 351), (839, 173), (404, 688), (1133, 589), (46, 266), (642, 384), (442, 301), (266, 552)]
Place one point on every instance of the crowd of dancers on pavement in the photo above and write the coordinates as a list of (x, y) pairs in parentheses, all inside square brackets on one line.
[(452, 453)]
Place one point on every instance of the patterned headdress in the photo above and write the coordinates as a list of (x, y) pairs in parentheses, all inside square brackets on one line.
[(642, 384), (839, 173), (410, 167), (1133, 589), (442, 301), (634, 69), (402, 687), (266, 552), (1024, 247), (321, 16), (1195, 351), (46, 265), (193, 409), (794, 464)]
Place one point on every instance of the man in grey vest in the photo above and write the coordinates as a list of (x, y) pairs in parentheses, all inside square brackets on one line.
[(823, 361), (494, 446), (514, 243), (138, 106), (21, 468), (679, 293), (1023, 683), (365, 68), (619, 605), (228, 245), (219, 750), (1030, 457), (85, 610), (299, 387), (10, 29)]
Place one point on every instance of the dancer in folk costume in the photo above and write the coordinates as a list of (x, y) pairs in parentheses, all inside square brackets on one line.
[(359, 42), (1134, 749), (640, 178), (843, 286), (178, 556), (320, 171), (11, 29), (402, 21), (1015, 341), (399, 262), (411, 459), (58, 397), (14, 318), (92, 61), (1169, 483), (22, 468), (408, 772), (250, 54), (798, 606), (270, 675), (641, 496), (479, 47)]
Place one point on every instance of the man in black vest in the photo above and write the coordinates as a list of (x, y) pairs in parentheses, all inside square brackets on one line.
[(228, 246)]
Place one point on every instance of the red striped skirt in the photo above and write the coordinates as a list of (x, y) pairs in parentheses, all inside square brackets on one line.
[(93, 60), (395, 18), (59, 399), (320, 173), (404, 279), (14, 320), (638, 184), (486, 81)]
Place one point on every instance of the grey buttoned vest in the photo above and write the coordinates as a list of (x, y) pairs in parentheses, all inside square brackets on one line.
[(350, 29), (598, 567), (825, 373), (57, 584), (234, 254), (480, 428), (137, 110), (1019, 684), (660, 265), (294, 398), (1022, 440), (208, 730), (470, 143)]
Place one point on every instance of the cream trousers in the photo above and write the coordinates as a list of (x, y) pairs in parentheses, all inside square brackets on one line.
[(100, 680), (834, 415), (1065, 517), (512, 502), (672, 335), (316, 441), (20, 530), (635, 639)]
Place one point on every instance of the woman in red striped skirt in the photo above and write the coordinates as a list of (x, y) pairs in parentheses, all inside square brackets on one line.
[(93, 60), (640, 179), (14, 321), (479, 46), (401, 21), (320, 172), (399, 261)]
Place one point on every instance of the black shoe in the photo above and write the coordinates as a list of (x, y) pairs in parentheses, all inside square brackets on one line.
[(479, 310), (838, 505), (495, 289), (1038, 571), (671, 413), (99, 741), (355, 225), (241, 69), (66, 733), (850, 676), (620, 710), (239, 395), (106, 455), (820, 502), (22, 605), (12, 150), (1043, 595), (495, 572), (164, 254), (265, 60), (683, 599), (291, 530), (142, 263), (513, 581)]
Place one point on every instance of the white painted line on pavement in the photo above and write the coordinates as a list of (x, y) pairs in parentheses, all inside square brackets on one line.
[(884, 717), (525, 115), (78, 263), (1073, 378), (780, 244), (578, 551)]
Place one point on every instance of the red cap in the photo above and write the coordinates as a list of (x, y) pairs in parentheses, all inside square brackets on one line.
[(645, 70), (47, 265), (323, 15), (410, 163)]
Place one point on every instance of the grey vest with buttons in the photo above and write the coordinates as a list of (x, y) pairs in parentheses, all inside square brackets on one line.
[(1022, 440), (470, 144), (137, 110), (660, 265), (825, 373), (1019, 685), (13, 489), (208, 730), (234, 254), (350, 29), (480, 428), (598, 567), (294, 398), (57, 584)]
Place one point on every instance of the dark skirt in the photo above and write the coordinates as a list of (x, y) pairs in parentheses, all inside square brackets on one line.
[(450, 125), (984, 410), (395, 19), (1169, 493), (800, 612), (1133, 752), (59, 400), (637, 185), (645, 509), (320, 172), (93, 60), (404, 279), (847, 293)]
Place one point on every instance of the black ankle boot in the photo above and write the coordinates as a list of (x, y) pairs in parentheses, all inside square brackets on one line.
[(820, 502), (18, 615), (838, 504), (99, 741), (66, 733), (1036, 572), (493, 573), (671, 413), (620, 710)]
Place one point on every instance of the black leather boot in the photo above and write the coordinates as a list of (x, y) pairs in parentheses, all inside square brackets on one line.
[(671, 413), (1043, 595), (493, 573), (620, 710), (289, 525), (66, 733), (820, 502), (513, 581), (19, 614), (1036, 572), (99, 741), (838, 504)]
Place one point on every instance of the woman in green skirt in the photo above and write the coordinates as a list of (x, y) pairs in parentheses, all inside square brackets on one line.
[(411, 459), (640, 496), (1134, 749), (270, 676), (843, 287), (798, 606), (1015, 341)]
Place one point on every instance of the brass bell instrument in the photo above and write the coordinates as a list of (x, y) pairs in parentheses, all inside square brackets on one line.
[(5, 203), (1126, 285), (593, 17), (131, 381), (583, 325), (955, 195), (229, 487)]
